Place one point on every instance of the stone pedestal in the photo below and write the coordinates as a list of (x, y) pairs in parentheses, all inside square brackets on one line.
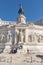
[(7, 49)]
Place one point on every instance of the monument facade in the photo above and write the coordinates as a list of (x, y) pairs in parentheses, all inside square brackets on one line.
[(27, 34)]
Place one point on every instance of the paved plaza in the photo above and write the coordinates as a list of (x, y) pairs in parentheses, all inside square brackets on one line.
[(21, 59)]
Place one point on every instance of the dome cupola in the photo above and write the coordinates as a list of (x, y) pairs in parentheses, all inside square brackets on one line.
[(21, 18)]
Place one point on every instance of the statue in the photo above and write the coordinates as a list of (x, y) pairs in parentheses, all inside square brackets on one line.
[(9, 36), (9, 43)]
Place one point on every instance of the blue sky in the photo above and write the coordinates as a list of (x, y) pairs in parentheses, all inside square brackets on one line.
[(33, 9)]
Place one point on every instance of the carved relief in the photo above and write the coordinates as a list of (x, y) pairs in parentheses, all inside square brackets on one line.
[(30, 38), (38, 39), (35, 38), (0, 38), (41, 38)]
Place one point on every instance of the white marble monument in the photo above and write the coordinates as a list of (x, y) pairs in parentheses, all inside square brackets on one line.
[(29, 34)]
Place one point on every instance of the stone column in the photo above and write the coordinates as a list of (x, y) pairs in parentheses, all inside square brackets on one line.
[(21, 35), (15, 36), (36, 38), (26, 36)]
